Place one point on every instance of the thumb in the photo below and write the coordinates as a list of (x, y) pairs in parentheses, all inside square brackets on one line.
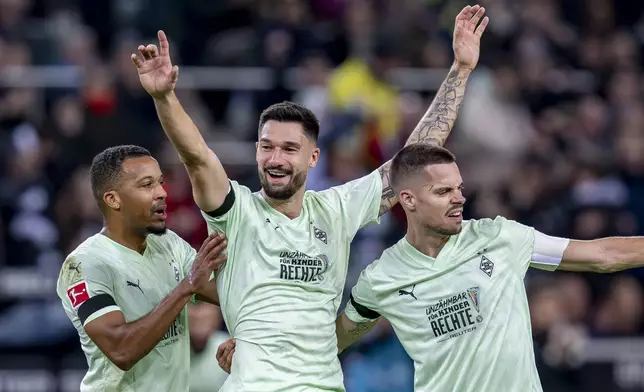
[(174, 75)]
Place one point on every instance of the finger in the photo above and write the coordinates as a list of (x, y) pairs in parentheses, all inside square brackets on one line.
[(221, 348), (229, 360), (215, 251), (212, 237), (465, 14), (215, 264), (152, 49), (164, 45), (479, 30), (144, 52), (174, 75), (477, 17), (137, 60)]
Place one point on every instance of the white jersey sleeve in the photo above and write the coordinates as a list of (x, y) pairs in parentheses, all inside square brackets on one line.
[(86, 288), (362, 303), (357, 201)]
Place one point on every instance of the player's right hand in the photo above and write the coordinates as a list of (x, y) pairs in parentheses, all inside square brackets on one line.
[(208, 259), (225, 353), (157, 74)]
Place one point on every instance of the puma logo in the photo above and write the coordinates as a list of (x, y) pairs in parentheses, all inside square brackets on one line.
[(75, 267), (404, 292), (137, 284)]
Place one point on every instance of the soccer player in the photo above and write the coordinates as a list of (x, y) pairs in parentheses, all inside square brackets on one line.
[(281, 287), (125, 289), (453, 290)]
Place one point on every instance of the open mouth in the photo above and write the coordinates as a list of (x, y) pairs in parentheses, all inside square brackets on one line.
[(276, 174), (456, 214), (160, 211)]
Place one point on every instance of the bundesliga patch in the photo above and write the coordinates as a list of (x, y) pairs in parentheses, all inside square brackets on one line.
[(78, 294)]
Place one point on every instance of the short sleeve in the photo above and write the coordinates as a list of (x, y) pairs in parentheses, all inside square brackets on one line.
[(358, 201), (227, 217), (520, 239), (362, 303), (548, 251), (86, 288)]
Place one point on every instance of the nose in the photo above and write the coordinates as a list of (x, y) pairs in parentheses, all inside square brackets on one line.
[(458, 198), (160, 193), (277, 157)]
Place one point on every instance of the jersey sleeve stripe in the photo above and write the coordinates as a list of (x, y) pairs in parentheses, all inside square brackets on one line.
[(93, 305), (228, 203), (363, 310), (97, 314)]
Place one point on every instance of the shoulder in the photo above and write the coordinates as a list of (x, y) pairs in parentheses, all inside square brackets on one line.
[(485, 227), (88, 256), (386, 268)]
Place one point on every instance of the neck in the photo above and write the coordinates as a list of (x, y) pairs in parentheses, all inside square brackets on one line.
[(291, 207), (426, 242), (127, 238)]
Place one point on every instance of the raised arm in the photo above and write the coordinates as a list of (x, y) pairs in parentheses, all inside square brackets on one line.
[(126, 343), (439, 119), (348, 331), (159, 77), (603, 255)]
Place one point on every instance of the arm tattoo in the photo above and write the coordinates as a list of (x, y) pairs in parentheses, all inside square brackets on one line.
[(437, 123), (388, 199), (359, 330), (433, 128)]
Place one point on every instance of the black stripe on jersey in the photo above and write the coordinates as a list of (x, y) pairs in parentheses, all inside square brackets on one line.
[(93, 305), (363, 310), (226, 205)]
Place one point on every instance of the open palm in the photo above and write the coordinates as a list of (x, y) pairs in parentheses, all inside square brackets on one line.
[(157, 74), (467, 36)]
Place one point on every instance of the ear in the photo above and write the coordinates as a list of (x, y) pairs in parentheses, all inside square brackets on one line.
[(112, 200), (315, 155), (407, 199)]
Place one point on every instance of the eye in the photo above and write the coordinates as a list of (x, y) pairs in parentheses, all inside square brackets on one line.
[(291, 149), (265, 148), (147, 184), (161, 182)]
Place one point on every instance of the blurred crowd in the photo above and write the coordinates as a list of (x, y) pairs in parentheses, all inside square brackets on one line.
[(550, 134)]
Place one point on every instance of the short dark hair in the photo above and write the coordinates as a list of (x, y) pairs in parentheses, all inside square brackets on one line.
[(107, 167), (292, 112), (412, 159)]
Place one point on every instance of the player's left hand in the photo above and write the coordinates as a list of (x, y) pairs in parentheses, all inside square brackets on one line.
[(157, 74), (467, 36), (225, 353)]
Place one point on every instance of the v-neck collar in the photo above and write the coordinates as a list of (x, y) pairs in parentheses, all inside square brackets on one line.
[(123, 248), (431, 262), (280, 217)]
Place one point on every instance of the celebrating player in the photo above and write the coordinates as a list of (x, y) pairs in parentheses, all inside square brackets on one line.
[(453, 290), (126, 291), (281, 287)]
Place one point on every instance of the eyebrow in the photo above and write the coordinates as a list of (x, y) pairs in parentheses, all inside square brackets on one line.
[(149, 177), (286, 143)]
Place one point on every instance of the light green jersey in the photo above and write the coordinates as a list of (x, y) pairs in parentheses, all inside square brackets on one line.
[(102, 276), (205, 373), (282, 284), (462, 317)]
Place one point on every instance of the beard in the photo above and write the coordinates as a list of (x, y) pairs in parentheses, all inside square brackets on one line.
[(444, 231), (157, 230), (285, 192)]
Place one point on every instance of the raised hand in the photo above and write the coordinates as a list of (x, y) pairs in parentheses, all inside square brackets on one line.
[(208, 259), (157, 74), (467, 36)]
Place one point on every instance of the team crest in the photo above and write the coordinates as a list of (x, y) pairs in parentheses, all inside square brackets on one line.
[(474, 294), (320, 234), (177, 276), (325, 266), (486, 265)]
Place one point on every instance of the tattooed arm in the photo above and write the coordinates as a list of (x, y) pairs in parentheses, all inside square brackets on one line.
[(348, 332), (434, 127), (437, 123)]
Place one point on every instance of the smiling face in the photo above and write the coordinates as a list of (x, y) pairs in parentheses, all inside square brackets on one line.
[(138, 197), (284, 156), (435, 199)]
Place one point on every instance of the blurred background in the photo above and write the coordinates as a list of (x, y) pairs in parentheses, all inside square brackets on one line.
[(551, 133)]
